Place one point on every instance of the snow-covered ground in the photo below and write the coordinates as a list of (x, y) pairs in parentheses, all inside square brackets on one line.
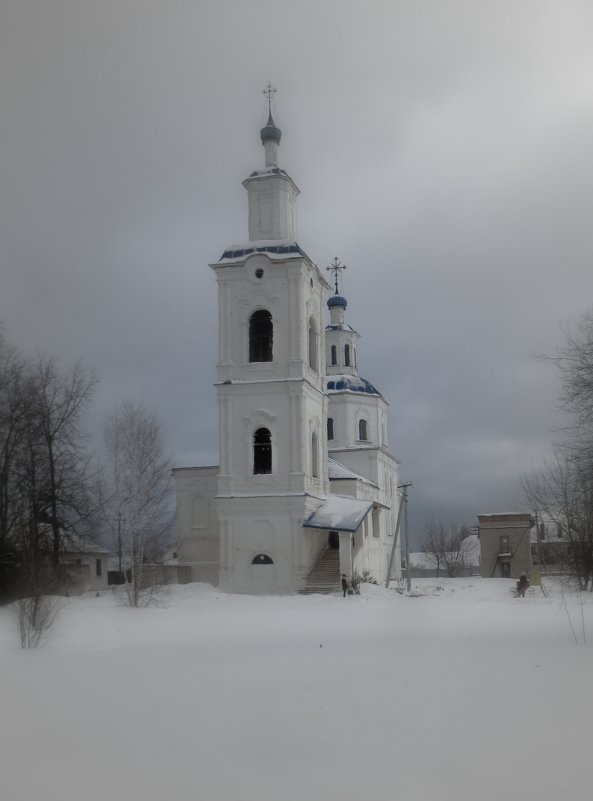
[(462, 692)]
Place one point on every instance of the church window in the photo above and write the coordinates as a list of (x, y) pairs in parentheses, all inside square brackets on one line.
[(262, 559), (347, 355), (260, 336), (312, 344), (262, 451), (330, 427), (334, 355), (314, 456), (376, 523), (98, 567), (362, 430)]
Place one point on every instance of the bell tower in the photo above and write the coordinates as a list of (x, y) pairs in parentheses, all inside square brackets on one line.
[(271, 389)]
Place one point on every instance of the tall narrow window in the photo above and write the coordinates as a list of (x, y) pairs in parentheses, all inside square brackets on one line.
[(347, 355), (330, 427), (334, 355), (362, 429), (262, 451), (314, 456), (260, 336), (312, 344)]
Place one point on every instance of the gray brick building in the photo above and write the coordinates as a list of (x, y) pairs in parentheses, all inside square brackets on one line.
[(505, 544)]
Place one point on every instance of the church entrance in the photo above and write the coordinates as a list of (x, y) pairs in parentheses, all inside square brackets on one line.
[(333, 541)]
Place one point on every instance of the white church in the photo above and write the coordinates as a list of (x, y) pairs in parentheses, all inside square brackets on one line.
[(306, 488)]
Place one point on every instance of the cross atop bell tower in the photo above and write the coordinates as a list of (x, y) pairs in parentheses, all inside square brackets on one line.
[(270, 133), (269, 92)]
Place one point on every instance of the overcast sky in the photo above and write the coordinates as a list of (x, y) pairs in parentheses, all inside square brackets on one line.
[(443, 152)]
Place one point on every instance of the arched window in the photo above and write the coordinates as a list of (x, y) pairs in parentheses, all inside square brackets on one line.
[(262, 451), (312, 344), (330, 427), (262, 559), (314, 456), (260, 336), (334, 355), (362, 430), (347, 355)]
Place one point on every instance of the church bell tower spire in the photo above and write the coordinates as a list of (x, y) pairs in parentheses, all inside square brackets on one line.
[(270, 133), (271, 191)]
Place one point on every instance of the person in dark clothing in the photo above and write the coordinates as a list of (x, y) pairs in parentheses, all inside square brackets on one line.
[(344, 585), (522, 585)]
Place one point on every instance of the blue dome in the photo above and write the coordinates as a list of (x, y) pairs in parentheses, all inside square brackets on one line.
[(350, 383), (337, 300)]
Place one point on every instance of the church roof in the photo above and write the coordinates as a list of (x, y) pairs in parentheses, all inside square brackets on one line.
[(282, 249), (267, 171), (340, 327), (336, 471), (337, 300), (350, 383), (339, 513), (270, 130)]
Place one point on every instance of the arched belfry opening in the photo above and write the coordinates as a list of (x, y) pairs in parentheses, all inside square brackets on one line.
[(262, 452), (261, 330)]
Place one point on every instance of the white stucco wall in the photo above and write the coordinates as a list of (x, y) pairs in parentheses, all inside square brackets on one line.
[(272, 206), (197, 524), (347, 408), (272, 526)]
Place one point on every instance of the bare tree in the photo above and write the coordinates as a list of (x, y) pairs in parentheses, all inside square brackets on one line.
[(563, 488), (563, 491), (11, 375), (447, 546), (575, 361), (39, 603), (139, 496), (45, 478), (57, 402)]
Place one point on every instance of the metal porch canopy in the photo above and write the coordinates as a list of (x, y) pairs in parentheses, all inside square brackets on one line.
[(340, 513)]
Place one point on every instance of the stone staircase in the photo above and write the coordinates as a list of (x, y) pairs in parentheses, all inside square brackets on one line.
[(324, 577)]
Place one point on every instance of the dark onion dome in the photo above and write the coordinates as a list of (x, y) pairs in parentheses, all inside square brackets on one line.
[(270, 131), (350, 383), (337, 300)]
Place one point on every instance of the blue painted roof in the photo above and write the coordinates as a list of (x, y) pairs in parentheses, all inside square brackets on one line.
[(290, 250), (350, 383), (337, 300)]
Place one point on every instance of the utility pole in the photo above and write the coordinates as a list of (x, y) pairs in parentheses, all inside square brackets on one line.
[(394, 546), (539, 532), (406, 537)]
